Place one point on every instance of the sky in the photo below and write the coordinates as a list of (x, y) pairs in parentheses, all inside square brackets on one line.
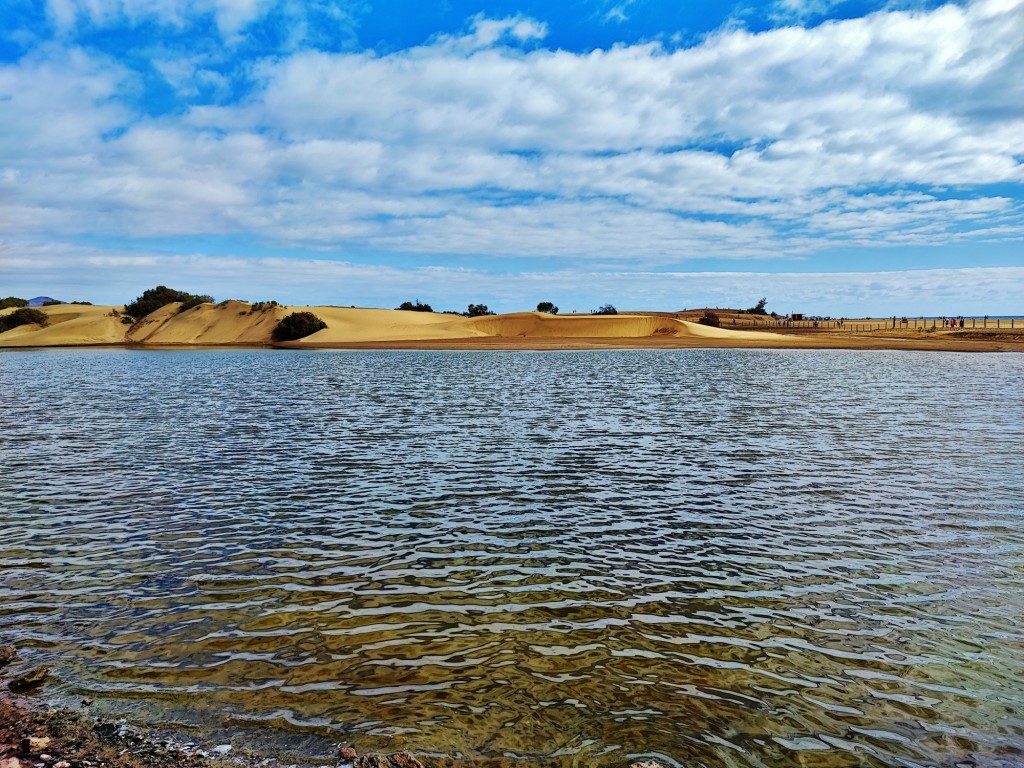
[(837, 157)]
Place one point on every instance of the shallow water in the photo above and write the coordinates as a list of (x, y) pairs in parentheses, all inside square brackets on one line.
[(708, 557)]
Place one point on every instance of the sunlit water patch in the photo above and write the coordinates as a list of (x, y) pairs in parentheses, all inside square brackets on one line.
[(708, 557)]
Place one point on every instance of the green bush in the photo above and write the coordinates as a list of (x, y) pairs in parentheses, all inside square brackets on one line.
[(13, 301), (477, 310), (154, 298), (298, 325), (710, 318), (607, 309), (408, 306), (548, 307), (22, 316)]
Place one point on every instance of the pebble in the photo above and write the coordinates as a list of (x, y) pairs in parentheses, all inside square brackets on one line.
[(10, 762), (222, 749), (62, 764), (347, 753), (35, 744)]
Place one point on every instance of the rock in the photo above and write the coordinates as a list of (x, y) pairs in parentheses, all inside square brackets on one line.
[(7, 654), (62, 764), (222, 749), (347, 753), (33, 745), (10, 762), (45, 757), (397, 760), (30, 679)]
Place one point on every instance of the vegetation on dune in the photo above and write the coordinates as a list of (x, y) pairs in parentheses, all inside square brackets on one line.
[(607, 309), (478, 310), (23, 316), (154, 298), (13, 301), (710, 318), (547, 307), (409, 306), (297, 325), (263, 306), (758, 309)]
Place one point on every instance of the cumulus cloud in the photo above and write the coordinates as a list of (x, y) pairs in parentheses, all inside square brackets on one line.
[(115, 276), (899, 128)]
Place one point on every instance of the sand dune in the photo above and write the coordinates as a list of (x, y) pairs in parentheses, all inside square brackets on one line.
[(70, 325), (237, 322)]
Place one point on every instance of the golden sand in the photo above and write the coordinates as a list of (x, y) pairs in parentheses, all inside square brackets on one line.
[(237, 322)]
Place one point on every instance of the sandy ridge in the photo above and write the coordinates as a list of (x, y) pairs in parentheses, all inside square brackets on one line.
[(240, 323)]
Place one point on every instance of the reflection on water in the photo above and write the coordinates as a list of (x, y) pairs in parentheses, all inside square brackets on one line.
[(714, 558)]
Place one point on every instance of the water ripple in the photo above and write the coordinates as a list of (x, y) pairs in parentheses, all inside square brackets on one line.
[(706, 557)]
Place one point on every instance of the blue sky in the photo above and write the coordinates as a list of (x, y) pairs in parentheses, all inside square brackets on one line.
[(843, 158)]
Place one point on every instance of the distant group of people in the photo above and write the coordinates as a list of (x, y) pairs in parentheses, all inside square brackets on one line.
[(952, 322)]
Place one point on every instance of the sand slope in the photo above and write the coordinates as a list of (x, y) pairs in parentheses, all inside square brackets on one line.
[(70, 325), (230, 322), (237, 322)]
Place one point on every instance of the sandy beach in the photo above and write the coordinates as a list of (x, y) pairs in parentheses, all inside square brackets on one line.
[(240, 323)]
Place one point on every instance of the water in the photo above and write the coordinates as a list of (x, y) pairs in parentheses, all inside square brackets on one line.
[(705, 557)]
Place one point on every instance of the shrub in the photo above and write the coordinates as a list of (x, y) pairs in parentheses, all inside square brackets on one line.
[(710, 318), (297, 325), (262, 306), (13, 301), (548, 307), (478, 310), (52, 302), (607, 309), (22, 316), (83, 303), (408, 306), (154, 298)]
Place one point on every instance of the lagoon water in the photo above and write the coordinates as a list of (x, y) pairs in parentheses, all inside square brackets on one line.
[(704, 557)]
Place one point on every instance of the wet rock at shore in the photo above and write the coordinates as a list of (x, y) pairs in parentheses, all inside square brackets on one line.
[(7, 655), (31, 679)]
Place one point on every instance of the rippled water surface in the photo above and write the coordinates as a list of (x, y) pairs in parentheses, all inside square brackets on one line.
[(706, 557)]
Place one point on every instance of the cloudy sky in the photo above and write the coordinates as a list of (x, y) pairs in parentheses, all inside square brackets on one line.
[(843, 157)]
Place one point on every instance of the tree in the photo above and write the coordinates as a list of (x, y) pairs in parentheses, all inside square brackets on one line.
[(759, 308), (408, 306), (22, 316), (607, 309), (13, 301), (710, 318), (478, 310), (154, 298), (548, 307), (297, 325)]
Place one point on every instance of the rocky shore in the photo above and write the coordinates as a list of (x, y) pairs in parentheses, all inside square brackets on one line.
[(35, 736)]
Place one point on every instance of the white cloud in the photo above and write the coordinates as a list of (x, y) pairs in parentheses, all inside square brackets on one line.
[(117, 276), (869, 132)]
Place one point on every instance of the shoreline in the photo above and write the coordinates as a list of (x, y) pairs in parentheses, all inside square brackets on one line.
[(1009, 343)]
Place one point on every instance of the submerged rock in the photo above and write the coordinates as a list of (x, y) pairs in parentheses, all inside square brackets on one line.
[(397, 760), (7, 654), (30, 679)]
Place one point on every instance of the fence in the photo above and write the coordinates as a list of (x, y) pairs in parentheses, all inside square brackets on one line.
[(874, 324)]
